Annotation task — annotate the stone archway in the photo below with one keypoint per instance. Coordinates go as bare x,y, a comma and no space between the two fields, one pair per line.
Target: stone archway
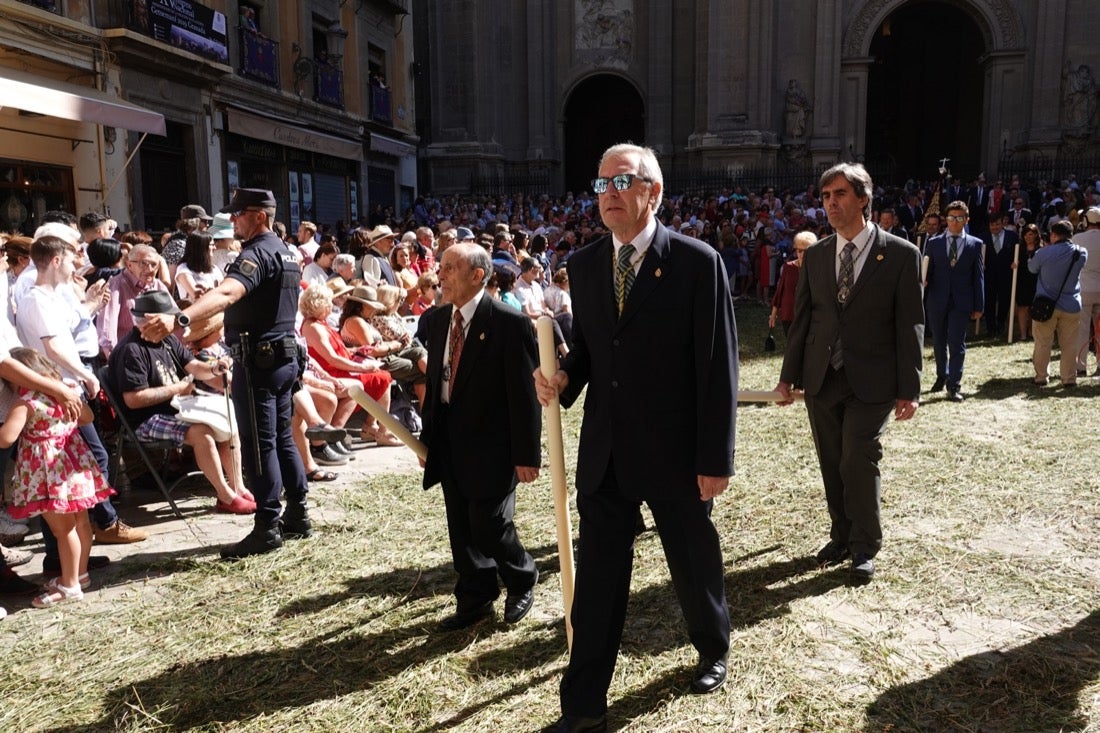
1000,23
886,126
924,100
600,111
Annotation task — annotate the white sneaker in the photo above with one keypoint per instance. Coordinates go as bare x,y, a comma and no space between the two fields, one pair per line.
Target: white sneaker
3,612
11,532
13,557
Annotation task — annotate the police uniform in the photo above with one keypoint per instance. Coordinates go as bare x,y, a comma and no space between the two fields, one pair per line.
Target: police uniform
259,330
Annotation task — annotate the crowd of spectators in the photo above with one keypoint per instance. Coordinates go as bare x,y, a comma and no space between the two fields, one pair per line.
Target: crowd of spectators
365,286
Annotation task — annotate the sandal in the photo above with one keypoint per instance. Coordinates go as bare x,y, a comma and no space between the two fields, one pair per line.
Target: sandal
385,438
57,593
318,474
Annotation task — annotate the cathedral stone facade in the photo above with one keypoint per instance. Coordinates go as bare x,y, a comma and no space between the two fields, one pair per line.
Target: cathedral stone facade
533,91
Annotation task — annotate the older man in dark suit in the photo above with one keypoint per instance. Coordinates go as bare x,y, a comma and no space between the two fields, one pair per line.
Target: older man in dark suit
656,344
481,425
1000,253
855,347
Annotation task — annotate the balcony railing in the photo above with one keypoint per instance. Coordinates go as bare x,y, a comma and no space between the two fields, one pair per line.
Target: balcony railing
328,81
381,105
259,58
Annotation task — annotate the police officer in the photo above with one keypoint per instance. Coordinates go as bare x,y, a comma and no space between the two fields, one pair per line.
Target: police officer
260,298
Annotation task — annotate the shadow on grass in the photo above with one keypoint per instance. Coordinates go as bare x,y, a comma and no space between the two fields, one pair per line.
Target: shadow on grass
223,689
999,388
420,582
1032,687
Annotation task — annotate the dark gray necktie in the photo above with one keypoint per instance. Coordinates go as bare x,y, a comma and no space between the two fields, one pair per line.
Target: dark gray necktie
843,291
953,255
847,268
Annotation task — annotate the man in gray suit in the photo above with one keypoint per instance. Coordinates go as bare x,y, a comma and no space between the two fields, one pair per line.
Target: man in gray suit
855,347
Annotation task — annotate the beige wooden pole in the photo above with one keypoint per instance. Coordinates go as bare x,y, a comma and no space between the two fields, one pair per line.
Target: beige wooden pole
548,362
380,414
760,395
1012,294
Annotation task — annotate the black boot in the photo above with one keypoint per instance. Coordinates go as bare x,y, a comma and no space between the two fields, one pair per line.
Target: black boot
263,538
295,522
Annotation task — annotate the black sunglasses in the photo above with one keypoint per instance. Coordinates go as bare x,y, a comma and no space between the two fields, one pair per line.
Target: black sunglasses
621,182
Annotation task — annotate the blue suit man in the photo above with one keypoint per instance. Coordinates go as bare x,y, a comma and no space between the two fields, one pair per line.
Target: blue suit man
954,295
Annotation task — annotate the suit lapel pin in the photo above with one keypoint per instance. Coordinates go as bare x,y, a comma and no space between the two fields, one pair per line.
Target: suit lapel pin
657,272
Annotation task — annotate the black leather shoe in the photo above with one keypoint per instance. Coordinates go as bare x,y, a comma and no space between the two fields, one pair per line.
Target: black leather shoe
295,524
709,676
517,606
569,724
954,395
939,384
863,567
464,619
326,433
262,539
832,553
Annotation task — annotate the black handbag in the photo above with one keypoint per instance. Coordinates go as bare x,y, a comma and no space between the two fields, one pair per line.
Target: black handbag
769,342
1042,308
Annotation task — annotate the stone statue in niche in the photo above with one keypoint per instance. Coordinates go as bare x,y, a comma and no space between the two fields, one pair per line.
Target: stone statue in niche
1078,96
796,111
605,25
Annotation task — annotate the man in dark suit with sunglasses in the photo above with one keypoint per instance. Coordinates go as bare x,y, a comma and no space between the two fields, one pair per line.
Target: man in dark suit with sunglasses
656,344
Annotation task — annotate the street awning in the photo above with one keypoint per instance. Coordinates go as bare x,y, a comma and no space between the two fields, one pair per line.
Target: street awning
47,96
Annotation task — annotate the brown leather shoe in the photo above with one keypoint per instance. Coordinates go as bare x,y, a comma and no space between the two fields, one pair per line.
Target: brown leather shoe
119,533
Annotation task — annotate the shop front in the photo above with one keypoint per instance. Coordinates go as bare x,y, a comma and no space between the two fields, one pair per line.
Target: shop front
62,147
315,177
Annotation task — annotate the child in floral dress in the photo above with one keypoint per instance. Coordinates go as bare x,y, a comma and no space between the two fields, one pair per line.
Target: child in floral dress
56,476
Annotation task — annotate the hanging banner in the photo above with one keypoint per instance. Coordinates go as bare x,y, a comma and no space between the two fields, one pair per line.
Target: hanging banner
184,24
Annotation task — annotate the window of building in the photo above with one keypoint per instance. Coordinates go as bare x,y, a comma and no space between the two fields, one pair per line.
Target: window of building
376,66
250,17
29,190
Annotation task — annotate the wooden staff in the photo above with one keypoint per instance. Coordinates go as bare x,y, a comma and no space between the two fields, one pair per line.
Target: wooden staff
924,271
380,414
1012,291
978,320
548,362
760,395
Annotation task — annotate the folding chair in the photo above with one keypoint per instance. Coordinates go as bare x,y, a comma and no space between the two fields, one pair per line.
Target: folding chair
125,437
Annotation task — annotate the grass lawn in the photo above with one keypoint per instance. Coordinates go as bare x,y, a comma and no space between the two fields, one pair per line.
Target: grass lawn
984,616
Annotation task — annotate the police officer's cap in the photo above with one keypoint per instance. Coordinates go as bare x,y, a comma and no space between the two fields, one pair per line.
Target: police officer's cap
249,198
157,301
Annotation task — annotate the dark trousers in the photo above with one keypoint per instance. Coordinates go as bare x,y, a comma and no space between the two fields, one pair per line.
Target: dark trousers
847,434
280,464
949,343
997,304
602,588
484,541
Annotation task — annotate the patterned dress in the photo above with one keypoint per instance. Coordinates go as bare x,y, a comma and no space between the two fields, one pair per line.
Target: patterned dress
55,471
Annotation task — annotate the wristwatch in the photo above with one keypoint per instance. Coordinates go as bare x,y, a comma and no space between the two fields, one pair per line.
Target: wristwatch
183,320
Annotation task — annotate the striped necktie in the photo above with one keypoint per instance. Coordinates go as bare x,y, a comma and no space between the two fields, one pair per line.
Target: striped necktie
458,338
624,274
